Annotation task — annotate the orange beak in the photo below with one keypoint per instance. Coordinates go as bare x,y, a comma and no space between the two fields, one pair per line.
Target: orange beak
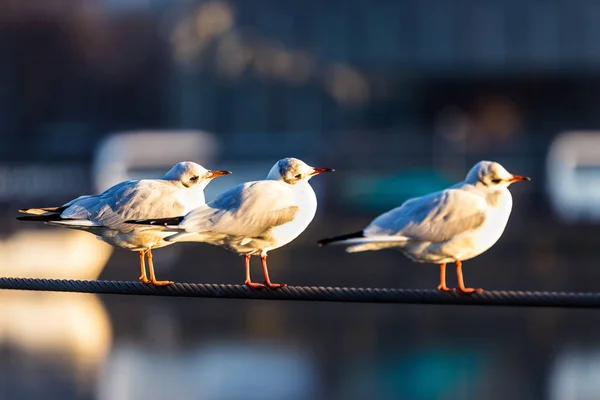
214,173
517,178
317,171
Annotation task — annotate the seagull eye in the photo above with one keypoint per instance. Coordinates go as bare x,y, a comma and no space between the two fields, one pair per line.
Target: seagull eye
194,179
298,176
496,181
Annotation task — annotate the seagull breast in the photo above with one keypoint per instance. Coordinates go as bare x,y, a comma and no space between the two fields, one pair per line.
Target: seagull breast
305,198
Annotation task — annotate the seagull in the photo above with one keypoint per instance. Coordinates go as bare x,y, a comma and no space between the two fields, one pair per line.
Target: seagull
180,190
254,217
453,225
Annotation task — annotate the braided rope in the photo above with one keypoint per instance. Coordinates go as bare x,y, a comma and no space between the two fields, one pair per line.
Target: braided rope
311,293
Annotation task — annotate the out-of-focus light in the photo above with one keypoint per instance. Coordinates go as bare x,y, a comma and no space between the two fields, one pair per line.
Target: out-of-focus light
184,41
272,60
210,38
301,67
232,56
193,33
72,328
453,124
573,176
574,375
225,370
53,253
213,18
347,85
496,117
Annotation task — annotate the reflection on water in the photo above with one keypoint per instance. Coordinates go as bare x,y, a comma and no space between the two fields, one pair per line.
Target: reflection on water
216,370
67,347
51,252
75,347
71,331
72,328
426,373
574,374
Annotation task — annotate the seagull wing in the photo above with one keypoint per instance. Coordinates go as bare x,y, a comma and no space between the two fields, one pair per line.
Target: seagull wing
433,218
139,199
249,210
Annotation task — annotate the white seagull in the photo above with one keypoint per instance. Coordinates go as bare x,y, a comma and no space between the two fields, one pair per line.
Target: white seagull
254,217
453,225
178,191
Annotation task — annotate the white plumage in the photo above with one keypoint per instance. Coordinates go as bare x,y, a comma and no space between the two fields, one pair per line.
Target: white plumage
255,217
453,225
180,190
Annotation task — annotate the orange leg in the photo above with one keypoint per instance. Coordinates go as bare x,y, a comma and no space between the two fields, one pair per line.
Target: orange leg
266,273
461,284
143,277
151,271
442,286
248,281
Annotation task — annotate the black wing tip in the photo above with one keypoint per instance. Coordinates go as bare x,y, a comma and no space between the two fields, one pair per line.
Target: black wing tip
41,218
159,221
141,221
326,241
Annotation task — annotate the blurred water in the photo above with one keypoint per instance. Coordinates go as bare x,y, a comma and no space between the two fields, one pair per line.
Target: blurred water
229,349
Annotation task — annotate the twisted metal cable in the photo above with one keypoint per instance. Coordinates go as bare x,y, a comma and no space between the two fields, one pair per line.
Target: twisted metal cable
311,293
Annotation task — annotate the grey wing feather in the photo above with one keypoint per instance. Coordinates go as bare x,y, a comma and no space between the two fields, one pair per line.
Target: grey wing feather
433,218
128,200
250,210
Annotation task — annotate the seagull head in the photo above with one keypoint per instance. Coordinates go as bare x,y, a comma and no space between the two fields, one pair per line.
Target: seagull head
292,170
192,175
492,175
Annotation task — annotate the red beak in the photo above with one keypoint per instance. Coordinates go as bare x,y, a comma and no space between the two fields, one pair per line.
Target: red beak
321,170
214,173
517,178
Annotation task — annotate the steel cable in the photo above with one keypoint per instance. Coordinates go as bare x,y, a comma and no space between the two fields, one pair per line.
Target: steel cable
311,293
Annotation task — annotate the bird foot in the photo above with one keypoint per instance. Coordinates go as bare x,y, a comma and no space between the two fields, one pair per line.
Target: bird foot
144,280
160,283
275,285
470,290
445,288
254,285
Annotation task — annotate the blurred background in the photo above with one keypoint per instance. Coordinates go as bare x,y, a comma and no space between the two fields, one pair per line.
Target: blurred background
401,97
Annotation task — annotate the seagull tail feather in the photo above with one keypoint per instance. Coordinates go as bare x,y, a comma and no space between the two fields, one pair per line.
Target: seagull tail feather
340,239
42,210
359,242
